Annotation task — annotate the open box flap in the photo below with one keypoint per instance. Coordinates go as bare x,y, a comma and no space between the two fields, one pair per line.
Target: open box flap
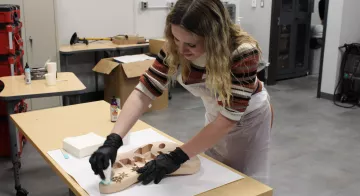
105,66
136,69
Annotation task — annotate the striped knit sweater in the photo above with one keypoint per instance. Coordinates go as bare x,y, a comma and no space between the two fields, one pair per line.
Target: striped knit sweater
245,60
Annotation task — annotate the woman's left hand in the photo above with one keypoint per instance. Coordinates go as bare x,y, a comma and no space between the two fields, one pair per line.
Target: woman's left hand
163,164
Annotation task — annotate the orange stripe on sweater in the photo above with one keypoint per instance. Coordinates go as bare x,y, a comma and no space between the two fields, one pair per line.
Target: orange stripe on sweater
149,87
160,67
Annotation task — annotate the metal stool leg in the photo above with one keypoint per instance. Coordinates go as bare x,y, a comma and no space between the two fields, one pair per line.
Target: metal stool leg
14,150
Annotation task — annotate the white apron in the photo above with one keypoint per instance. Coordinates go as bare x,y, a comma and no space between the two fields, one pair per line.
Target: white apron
246,147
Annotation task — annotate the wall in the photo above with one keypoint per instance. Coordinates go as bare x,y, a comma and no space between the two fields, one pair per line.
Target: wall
150,23
114,17
89,19
315,18
257,21
350,27
332,42
122,17
237,3
341,28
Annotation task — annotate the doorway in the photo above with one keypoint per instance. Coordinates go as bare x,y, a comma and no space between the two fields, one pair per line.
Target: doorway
290,39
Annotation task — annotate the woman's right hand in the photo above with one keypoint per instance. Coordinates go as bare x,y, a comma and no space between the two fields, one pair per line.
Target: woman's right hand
136,104
99,160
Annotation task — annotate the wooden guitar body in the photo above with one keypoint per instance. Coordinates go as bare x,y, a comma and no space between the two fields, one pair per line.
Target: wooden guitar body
124,169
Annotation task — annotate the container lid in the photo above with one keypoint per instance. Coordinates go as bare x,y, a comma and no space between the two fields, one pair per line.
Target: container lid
12,5
6,8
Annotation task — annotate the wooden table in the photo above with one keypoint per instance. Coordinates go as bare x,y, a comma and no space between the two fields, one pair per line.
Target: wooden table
15,90
94,116
97,46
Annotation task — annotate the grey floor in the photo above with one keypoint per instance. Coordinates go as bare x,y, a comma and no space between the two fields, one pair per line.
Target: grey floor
315,145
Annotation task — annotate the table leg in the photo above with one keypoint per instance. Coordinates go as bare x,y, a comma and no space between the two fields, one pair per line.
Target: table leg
14,150
67,100
64,69
96,73
96,81
71,193
66,65
78,99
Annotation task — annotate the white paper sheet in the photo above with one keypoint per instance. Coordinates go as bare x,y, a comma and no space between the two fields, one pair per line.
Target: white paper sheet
133,58
210,176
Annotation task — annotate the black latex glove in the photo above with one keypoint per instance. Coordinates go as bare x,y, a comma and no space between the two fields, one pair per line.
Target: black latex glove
163,164
99,160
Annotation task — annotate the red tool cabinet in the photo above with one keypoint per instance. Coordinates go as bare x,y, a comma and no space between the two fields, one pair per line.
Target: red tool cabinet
11,53
9,13
11,64
10,38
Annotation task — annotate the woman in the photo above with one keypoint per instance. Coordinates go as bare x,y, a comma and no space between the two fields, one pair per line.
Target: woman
216,61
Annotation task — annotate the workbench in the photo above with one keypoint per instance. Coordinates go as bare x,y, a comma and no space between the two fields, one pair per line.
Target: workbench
98,46
94,117
73,58
15,89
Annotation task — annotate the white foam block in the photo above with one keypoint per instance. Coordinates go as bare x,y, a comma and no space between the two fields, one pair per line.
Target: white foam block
83,145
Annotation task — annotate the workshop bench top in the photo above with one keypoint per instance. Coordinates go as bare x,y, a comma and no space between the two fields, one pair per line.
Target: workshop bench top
97,46
15,87
46,129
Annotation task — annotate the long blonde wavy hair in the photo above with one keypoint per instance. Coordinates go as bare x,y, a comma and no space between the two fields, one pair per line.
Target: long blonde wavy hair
208,19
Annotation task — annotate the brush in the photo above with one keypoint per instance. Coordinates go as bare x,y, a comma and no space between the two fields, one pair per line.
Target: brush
66,156
107,173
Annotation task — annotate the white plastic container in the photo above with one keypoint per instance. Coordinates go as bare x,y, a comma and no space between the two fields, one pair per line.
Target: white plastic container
50,79
51,67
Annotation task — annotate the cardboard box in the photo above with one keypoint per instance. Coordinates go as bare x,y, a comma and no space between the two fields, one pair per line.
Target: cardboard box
155,45
124,77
